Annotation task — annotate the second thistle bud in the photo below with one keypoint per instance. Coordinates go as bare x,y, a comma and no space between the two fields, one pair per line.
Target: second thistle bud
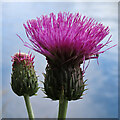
23,77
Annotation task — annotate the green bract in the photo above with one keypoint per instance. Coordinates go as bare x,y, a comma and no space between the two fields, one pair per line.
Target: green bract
68,80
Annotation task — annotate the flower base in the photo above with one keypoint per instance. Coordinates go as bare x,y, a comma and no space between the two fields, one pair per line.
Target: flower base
67,79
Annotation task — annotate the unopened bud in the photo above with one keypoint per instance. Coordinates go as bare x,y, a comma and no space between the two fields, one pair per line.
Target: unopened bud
23,77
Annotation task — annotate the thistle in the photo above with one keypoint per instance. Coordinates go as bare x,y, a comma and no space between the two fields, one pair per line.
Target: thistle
67,41
24,81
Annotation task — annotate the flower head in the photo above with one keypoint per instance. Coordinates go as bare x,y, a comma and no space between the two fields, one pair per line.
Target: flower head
66,38
23,77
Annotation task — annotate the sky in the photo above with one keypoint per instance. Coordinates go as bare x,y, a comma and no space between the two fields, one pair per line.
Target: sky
101,99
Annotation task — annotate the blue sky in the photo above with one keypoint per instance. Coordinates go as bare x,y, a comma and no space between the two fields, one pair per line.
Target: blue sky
101,100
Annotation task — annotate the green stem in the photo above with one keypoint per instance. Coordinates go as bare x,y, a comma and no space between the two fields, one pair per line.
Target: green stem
63,103
29,107
62,109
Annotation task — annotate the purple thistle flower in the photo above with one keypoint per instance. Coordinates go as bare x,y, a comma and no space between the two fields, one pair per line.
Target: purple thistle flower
66,38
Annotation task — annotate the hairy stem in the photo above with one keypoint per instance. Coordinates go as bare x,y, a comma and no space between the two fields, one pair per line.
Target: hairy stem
29,107
63,103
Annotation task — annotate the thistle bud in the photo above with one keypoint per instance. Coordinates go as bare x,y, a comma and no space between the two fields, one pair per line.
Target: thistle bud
23,77
65,79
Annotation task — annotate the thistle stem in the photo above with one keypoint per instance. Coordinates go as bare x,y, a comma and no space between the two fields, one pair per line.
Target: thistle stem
62,109
63,103
29,107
